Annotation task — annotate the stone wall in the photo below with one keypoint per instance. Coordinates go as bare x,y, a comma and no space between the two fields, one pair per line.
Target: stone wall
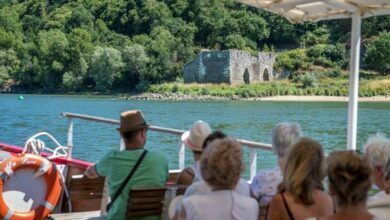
231,66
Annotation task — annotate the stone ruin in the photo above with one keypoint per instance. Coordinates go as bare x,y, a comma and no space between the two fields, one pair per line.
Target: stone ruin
229,66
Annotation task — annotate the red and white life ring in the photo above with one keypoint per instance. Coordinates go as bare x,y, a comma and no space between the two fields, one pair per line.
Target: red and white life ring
42,167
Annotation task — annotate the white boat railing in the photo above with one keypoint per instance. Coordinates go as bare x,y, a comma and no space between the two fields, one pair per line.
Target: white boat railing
252,145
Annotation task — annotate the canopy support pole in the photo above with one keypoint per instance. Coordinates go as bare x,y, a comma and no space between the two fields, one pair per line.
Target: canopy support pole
354,80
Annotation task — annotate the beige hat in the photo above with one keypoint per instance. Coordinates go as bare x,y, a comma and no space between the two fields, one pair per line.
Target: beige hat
195,137
131,121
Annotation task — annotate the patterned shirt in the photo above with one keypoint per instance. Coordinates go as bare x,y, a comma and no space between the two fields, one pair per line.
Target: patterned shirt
265,185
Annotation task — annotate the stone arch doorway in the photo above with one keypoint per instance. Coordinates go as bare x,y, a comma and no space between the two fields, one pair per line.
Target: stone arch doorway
246,76
266,75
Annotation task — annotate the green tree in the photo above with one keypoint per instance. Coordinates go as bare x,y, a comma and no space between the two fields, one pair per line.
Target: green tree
105,67
135,61
377,54
53,55
9,64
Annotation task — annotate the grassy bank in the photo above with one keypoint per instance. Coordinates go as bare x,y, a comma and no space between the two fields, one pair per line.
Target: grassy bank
309,84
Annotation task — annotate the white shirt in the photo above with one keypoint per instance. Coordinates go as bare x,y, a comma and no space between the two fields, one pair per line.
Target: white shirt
221,204
379,205
196,169
201,188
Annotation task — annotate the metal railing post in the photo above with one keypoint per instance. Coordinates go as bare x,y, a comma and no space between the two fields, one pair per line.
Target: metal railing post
182,155
70,138
253,163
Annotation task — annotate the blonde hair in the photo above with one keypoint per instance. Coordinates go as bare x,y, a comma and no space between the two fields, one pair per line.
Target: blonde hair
349,177
221,163
303,170
377,150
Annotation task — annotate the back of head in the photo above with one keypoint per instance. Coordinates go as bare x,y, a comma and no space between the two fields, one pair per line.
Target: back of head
284,135
303,170
349,178
221,163
377,150
213,136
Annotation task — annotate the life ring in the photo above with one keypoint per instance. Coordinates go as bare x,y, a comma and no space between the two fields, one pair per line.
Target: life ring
42,167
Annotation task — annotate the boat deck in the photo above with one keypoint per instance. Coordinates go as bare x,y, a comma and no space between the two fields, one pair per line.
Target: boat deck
94,215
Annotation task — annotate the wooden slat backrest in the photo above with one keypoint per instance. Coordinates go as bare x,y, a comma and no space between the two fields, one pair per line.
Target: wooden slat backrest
146,201
85,193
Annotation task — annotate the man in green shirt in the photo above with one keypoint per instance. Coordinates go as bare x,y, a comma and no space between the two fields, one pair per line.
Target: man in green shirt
116,165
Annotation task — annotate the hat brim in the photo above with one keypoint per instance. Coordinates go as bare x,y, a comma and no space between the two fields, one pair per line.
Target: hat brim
185,138
133,128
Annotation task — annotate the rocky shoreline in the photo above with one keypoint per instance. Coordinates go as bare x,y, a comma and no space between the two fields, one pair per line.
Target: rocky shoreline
186,97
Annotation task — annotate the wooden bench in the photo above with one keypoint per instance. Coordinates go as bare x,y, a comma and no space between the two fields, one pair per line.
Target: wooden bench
146,201
85,194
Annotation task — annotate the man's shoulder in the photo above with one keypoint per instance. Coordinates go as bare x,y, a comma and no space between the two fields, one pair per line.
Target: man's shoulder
156,155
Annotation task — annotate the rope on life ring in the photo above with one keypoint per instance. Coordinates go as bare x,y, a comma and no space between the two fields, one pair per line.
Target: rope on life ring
43,168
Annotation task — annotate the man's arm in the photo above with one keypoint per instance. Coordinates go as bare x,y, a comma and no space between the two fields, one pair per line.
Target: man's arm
91,173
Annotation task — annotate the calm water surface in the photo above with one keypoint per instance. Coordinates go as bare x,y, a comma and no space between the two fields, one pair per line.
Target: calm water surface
324,121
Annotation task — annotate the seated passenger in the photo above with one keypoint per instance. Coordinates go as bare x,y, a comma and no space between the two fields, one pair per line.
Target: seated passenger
349,182
193,139
377,152
116,165
300,194
201,187
264,184
380,205
221,166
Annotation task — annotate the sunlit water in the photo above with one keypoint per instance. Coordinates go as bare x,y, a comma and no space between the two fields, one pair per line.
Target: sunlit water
324,121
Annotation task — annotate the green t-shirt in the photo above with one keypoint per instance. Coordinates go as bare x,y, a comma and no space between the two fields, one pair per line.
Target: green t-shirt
116,165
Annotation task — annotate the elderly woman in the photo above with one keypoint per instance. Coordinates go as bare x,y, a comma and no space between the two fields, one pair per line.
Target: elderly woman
349,182
264,184
377,151
380,204
300,194
221,166
194,139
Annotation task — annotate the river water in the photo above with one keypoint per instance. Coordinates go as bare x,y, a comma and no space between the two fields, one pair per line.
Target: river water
324,121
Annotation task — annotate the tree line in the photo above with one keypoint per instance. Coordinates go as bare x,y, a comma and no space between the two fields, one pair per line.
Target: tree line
106,45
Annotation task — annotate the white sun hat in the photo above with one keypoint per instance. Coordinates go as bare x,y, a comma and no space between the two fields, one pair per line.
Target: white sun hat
195,137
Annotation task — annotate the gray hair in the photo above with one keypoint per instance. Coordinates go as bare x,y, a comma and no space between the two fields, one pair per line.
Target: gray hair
285,135
377,150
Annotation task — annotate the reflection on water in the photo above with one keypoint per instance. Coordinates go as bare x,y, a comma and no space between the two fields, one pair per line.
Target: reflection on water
324,121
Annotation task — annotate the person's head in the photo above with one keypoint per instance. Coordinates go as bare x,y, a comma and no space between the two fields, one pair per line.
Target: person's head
349,178
195,137
213,136
221,163
133,128
303,170
377,150
284,135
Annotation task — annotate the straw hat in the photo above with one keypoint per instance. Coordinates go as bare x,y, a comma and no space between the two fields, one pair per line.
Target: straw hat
131,121
195,137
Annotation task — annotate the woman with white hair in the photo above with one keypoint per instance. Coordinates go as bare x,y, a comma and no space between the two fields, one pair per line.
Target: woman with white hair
377,152
221,167
380,206
264,184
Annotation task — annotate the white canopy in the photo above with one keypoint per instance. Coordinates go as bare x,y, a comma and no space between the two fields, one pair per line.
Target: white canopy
297,11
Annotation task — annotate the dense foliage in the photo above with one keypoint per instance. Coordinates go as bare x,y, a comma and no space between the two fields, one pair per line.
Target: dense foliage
105,45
